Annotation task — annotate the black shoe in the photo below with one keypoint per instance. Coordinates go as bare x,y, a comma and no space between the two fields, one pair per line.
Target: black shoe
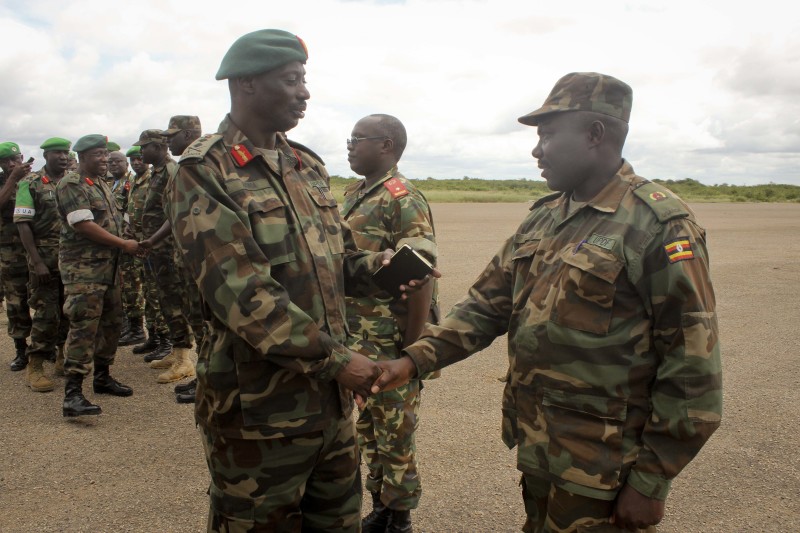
163,350
378,519
74,402
186,387
105,384
135,334
400,522
186,397
126,326
21,359
150,345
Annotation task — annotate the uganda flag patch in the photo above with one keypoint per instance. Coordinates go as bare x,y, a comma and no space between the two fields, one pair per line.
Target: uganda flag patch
679,250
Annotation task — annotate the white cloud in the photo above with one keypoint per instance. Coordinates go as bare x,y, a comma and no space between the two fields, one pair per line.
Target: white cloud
715,83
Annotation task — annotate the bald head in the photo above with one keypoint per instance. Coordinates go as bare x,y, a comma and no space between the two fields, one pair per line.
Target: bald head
391,127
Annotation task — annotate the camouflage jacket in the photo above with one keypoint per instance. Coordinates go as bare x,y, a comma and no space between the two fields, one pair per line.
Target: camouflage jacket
614,372
264,241
121,189
388,214
80,259
36,205
135,205
153,216
8,230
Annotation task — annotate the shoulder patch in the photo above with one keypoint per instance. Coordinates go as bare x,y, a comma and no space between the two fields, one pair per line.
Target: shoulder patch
679,249
297,146
395,187
545,199
661,200
199,148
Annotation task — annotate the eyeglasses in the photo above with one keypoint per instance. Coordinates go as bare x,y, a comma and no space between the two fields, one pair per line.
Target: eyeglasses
355,140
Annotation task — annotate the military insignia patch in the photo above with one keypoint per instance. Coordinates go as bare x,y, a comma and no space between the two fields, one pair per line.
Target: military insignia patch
658,196
89,181
299,165
127,185
45,180
241,154
395,188
679,250
607,243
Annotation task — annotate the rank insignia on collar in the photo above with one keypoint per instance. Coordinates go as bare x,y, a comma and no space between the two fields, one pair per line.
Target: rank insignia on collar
127,185
299,165
89,181
45,180
241,154
395,188
679,250
658,196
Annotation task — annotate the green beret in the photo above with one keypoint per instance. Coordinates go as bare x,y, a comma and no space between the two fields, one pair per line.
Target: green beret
150,136
55,143
87,142
261,51
586,91
112,146
9,149
134,151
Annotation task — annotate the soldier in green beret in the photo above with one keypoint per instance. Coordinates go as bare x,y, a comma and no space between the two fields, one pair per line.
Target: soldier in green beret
91,240
39,225
13,260
615,381
260,232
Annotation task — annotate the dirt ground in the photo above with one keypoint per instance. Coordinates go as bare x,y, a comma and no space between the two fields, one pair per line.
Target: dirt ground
139,466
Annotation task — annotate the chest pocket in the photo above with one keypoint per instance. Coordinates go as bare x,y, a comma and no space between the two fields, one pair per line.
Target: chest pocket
586,288
329,215
270,220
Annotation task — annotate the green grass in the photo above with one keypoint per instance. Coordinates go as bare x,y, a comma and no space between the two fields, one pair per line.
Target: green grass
478,190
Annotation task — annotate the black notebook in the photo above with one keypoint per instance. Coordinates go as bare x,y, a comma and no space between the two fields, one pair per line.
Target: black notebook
406,264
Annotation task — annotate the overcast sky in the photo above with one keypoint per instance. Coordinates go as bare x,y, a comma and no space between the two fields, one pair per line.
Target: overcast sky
716,84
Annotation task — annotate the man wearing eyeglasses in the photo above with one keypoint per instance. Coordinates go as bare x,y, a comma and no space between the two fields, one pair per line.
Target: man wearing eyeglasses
385,210
261,235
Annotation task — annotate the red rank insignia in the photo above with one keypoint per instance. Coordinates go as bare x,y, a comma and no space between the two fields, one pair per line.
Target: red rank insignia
679,250
127,185
296,156
45,180
241,154
395,188
658,196
89,181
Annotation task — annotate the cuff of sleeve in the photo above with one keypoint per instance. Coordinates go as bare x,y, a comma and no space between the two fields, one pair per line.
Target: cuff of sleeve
420,361
334,364
650,485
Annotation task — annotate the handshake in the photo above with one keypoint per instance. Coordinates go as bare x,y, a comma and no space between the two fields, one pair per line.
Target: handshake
364,376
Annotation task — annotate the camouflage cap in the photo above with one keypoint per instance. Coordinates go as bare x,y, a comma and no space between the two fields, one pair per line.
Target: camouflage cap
9,149
261,51
55,143
150,136
87,142
134,151
182,122
586,91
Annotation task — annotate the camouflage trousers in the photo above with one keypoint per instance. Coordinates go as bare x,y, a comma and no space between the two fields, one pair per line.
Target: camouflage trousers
551,509
14,272
49,326
171,296
94,311
152,311
301,483
132,297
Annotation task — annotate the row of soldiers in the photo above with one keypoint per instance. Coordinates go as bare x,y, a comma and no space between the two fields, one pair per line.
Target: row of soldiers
48,288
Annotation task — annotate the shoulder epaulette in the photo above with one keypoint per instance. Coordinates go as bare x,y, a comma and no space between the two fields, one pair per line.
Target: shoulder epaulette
297,146
395,187
199,148
545,199
662,201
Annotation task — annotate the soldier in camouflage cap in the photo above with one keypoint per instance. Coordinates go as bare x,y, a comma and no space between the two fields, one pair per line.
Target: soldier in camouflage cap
615,381
260,232
13,259
182,131
88,258
385,210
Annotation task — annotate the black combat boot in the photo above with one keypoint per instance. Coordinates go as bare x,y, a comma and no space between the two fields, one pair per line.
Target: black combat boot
187,395
186,387
150,345
400,522
21,359
74,402
126,326
105,384
378,519
163,350
135,333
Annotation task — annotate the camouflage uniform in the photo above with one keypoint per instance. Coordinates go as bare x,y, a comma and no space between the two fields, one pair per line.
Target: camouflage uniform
121,189
261,235
143,294
36,205
14,273
89,272
388,214
614,371
171,292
